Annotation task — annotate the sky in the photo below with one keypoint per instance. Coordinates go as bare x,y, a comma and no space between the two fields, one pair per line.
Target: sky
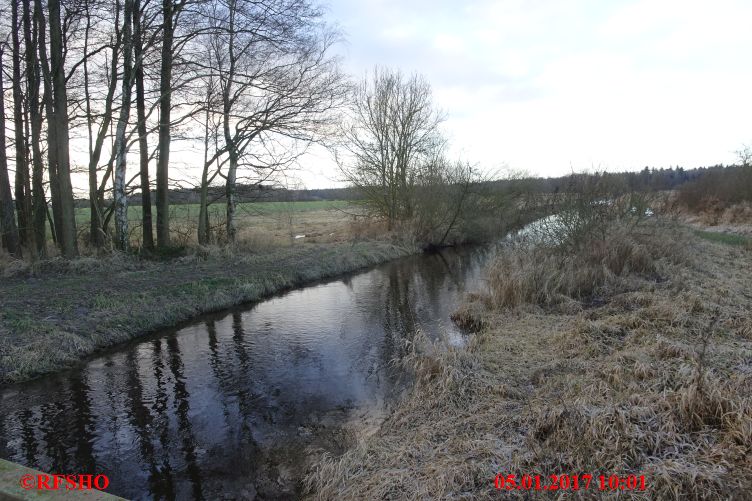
551,86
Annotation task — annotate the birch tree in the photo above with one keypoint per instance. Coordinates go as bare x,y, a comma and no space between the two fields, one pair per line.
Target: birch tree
121,146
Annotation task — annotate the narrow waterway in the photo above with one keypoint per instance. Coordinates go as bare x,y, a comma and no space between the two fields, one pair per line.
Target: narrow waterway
233,404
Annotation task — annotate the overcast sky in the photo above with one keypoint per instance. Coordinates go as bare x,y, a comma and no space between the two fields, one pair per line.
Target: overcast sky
547,86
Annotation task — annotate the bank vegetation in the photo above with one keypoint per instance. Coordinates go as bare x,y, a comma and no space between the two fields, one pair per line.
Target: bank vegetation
610,341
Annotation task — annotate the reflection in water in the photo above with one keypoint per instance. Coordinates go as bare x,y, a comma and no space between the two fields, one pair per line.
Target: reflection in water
234,403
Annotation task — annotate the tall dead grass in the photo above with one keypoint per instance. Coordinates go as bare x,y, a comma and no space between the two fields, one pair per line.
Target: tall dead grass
540,274
653,378
652,396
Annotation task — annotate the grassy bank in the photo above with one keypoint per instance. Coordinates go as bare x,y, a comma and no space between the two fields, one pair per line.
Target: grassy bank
726,238
631,358
55,313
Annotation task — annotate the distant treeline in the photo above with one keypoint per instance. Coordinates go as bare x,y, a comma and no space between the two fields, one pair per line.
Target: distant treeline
718,188
250,193
648,179
719,178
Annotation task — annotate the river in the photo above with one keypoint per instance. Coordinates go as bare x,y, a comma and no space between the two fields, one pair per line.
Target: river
234,404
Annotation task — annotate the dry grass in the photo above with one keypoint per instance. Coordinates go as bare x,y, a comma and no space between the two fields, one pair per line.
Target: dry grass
539,274
713,212
653,379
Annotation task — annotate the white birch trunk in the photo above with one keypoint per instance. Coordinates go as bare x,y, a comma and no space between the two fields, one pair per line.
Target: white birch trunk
121,200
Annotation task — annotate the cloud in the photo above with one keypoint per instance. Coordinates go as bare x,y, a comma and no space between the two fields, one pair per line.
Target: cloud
545,85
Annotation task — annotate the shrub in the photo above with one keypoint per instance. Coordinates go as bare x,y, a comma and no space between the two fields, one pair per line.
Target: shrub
598,234
717,190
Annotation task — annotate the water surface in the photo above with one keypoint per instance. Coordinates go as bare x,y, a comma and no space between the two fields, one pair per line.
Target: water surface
235,404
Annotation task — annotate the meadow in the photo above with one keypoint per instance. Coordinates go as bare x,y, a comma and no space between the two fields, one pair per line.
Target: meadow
259,223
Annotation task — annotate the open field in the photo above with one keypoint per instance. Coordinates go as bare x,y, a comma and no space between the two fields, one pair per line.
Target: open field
261,209
56,312
261,222
650,373
270,222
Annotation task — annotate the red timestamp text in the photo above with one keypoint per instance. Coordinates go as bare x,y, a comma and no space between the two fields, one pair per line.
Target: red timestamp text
568,482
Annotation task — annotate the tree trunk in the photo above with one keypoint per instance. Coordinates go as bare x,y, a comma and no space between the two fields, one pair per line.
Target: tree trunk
143,143
8,226
230,195
163,162
229,140
121,146
96,236
203,211
96,198
232,170
55,194
52,132
204,238
23,185
67,232
33,81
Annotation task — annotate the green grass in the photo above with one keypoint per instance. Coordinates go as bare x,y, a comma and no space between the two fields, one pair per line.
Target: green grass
249,209
724,238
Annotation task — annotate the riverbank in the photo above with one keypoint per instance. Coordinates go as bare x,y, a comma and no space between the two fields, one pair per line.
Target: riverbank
648,374
61,311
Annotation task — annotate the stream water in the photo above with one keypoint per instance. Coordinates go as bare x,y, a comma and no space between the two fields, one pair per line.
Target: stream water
233,404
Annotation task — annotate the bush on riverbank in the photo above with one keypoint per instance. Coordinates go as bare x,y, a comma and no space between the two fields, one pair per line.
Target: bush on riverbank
543,275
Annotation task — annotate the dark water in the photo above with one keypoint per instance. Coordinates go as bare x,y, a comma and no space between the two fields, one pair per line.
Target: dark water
232,405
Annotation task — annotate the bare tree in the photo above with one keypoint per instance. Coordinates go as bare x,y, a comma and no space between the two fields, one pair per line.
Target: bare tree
444,200
101,119
277,81
52,132
744,155
143,143
33,79
272,88
391,132
211,135
23,184
169,10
